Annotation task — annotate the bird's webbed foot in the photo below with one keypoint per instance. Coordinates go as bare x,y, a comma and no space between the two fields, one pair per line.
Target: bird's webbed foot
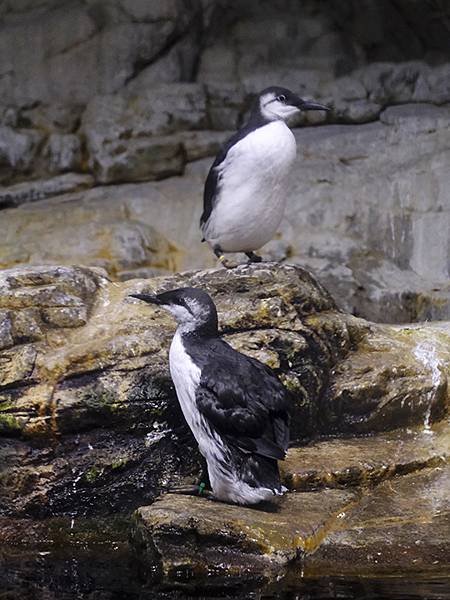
227,263
253,258
192,490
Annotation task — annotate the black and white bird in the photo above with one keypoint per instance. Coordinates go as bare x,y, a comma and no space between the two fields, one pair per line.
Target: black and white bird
246,188
235,406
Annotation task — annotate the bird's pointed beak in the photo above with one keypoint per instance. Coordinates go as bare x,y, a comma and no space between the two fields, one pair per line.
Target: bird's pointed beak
311,105
149,298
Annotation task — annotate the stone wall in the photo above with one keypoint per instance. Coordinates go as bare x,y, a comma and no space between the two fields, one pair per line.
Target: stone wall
123,93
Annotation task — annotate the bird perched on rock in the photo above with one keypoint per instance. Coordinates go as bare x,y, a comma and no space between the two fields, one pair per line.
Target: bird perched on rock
235,406
245,191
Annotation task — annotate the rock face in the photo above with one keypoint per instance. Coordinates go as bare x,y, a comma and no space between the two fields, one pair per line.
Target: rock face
86,395
123,93
90,426
368,212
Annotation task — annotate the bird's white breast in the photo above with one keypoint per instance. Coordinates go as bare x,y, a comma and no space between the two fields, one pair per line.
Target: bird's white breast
253,181
186,378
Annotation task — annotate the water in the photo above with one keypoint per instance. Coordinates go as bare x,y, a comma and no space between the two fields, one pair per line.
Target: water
101,576
91,559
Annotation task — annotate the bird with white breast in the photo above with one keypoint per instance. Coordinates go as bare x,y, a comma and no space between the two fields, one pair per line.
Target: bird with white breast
235,406
246,189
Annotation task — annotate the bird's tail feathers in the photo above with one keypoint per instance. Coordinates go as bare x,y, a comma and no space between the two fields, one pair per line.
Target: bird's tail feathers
260,471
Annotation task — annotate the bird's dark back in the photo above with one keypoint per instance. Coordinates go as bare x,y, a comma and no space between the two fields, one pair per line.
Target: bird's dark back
238,377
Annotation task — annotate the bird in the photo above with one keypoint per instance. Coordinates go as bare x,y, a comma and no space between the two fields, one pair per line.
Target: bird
235,406
245,191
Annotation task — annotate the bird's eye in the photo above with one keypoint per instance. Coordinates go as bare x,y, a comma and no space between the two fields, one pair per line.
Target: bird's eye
185,305
281,98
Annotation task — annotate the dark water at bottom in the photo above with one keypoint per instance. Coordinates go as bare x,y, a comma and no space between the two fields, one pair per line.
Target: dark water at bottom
67,582
321,589
63,559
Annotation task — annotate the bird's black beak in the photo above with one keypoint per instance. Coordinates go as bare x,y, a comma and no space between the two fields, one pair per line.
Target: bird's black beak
149,298
311,105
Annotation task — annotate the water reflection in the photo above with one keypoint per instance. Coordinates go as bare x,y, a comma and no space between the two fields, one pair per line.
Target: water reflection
92,560
100,578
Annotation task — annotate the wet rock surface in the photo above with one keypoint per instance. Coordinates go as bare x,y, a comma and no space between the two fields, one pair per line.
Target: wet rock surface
350,462
394,528
88,408
90,425
398,525
402,526
194,538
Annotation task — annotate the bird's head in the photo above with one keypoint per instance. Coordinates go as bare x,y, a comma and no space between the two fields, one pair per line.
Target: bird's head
192,308
278,103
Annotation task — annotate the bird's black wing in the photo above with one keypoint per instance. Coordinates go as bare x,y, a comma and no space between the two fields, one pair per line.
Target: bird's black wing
244,400
212,182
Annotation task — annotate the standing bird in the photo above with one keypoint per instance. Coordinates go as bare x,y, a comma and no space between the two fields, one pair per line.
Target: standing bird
235,406
245,191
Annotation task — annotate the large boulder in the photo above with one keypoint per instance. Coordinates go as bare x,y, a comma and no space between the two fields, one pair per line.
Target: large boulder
102,235
88,410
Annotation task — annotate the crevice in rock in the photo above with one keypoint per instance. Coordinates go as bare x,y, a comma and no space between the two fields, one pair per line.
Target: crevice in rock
172,40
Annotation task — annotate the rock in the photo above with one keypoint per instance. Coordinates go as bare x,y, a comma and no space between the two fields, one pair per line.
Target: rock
8,116
104,42
218,64
178,64
6,338
84,377
354,111
46,287
226,104
141,159
403,526
399,527
17,150
410,370
63,152
163,109
53,118
343,463
198,144
120,131
379,234
31,191
417,118
91,237
389,83
100,233
184,539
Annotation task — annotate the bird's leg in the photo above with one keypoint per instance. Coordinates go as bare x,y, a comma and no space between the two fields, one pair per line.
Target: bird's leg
228,264
192,490
253,258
